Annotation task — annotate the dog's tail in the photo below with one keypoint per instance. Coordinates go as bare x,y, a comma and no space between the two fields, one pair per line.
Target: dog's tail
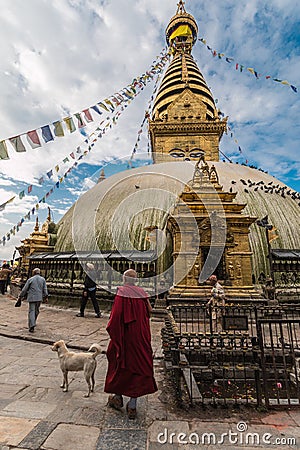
96,349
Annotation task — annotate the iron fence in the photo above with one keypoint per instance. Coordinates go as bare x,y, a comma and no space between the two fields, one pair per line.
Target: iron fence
234,354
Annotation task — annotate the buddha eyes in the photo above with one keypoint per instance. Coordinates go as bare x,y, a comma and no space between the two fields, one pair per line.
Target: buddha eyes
194,153
177,154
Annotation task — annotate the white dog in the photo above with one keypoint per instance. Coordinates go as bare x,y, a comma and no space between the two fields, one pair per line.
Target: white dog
71,361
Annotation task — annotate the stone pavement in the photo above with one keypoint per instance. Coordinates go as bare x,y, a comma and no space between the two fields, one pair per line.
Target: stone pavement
36,414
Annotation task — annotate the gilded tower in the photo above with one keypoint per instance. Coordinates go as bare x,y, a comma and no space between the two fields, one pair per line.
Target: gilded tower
185,121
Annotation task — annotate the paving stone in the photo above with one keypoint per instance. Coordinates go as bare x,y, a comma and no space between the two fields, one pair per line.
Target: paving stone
5,402
295,415
122,439
30,410
65,411
10,390
71,437
14,429
156,446
42,394
119,419
281,418
38,435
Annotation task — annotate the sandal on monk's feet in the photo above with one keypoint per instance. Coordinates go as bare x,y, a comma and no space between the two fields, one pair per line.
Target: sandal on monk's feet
131,412
115,402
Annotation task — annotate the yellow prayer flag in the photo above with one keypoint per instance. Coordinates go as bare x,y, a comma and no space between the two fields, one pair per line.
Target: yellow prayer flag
182,30
70,124
3,150
250,70
285,82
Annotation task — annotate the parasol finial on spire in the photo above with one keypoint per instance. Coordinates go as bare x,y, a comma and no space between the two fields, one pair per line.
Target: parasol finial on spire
181,8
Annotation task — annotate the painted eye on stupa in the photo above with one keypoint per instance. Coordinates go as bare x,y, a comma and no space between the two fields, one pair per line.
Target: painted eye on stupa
177,153
196,153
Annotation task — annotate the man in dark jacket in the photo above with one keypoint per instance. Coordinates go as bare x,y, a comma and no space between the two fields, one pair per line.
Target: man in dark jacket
89,291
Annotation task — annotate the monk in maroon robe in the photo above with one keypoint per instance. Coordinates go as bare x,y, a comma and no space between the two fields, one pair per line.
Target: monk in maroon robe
129,353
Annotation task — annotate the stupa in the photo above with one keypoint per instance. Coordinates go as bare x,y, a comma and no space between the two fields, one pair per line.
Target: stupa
188,194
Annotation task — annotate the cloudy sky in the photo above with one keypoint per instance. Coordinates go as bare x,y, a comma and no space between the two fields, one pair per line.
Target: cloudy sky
59,57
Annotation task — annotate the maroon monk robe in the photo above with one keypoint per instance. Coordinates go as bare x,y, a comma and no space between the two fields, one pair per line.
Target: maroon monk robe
129,353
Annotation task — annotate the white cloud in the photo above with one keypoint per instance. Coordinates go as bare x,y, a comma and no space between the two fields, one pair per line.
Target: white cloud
59,57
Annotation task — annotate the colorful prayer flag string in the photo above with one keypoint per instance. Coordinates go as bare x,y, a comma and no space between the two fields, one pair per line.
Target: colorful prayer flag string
79,151
137,85
50,132
241,67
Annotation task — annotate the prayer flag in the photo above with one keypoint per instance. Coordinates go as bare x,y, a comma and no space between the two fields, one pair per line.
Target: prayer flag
103,106
57,168
81,123
236,66
87,115
21,195
46,133
285,82
41,180
17,144
72,155
3,150
66,160
70,124
58,129
33,139
95,108
181,30
250,70
29,189
294,88
50,173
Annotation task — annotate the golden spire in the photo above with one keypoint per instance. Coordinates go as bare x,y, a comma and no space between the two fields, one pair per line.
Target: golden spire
37,227
181,33
181,8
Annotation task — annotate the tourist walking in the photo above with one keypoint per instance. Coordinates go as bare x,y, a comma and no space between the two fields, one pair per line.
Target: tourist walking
89,291
4,278
35,290
129,353
217,301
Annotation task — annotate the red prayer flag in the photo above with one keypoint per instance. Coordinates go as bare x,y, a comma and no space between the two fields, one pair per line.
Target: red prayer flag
33,139
87,115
